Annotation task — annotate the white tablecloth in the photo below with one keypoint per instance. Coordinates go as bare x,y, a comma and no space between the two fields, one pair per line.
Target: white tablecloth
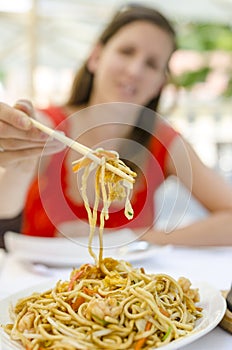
211,265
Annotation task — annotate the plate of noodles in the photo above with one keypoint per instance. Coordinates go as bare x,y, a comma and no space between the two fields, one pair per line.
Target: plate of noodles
155,311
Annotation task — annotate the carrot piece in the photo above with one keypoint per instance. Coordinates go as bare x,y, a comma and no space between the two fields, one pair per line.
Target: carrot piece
75,167
80,164
141,341
199,308
74,278
77,303
88,291
164,312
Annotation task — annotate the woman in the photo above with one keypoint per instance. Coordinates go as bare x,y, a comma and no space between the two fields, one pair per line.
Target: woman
129,66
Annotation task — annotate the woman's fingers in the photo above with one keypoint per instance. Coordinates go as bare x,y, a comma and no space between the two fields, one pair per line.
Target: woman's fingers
14,117
15,122
9,131
19,139
26,107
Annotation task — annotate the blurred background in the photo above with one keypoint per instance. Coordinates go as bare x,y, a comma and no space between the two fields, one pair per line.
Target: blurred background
43,42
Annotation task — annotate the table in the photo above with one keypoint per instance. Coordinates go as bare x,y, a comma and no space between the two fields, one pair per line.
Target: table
211,265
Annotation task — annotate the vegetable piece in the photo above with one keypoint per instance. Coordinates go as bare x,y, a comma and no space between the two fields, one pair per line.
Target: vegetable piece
164,312
167,333
99,320
141,341
77,303
83,162
88,291
74,278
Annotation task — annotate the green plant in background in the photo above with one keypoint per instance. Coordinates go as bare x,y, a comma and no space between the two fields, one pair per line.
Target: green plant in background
189,78
2,76
205,38
228,91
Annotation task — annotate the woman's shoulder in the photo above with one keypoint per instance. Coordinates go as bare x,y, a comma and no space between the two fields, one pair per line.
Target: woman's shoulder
164,133
163,136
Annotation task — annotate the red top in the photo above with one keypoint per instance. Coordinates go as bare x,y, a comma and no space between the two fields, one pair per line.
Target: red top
48,205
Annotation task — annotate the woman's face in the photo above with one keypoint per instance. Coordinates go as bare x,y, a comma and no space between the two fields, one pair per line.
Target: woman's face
131,67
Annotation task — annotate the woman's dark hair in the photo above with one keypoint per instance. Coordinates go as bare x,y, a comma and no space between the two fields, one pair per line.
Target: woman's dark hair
83,81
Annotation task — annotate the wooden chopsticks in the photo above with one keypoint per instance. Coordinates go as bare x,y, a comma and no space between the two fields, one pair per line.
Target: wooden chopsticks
78,147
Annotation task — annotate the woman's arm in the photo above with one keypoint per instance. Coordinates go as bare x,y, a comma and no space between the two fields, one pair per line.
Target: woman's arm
210,189
21,145
14,183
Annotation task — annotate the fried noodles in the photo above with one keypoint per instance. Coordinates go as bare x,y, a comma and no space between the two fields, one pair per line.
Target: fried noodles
108,186
110,304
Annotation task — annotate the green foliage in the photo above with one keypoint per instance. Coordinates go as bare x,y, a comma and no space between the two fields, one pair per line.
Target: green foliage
2,75
205,37
228,91
188,79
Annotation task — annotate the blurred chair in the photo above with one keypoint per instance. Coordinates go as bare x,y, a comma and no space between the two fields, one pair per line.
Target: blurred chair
9,225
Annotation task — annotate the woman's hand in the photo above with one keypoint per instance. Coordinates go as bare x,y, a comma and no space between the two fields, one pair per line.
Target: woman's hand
19,139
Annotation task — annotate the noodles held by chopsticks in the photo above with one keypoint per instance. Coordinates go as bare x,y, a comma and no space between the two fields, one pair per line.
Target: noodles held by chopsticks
109,186
110,304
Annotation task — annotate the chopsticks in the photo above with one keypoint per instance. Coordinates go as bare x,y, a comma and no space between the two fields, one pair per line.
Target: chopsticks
78,147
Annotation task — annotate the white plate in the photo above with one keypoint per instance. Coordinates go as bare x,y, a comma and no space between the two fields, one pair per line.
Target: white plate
71,252
213,303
